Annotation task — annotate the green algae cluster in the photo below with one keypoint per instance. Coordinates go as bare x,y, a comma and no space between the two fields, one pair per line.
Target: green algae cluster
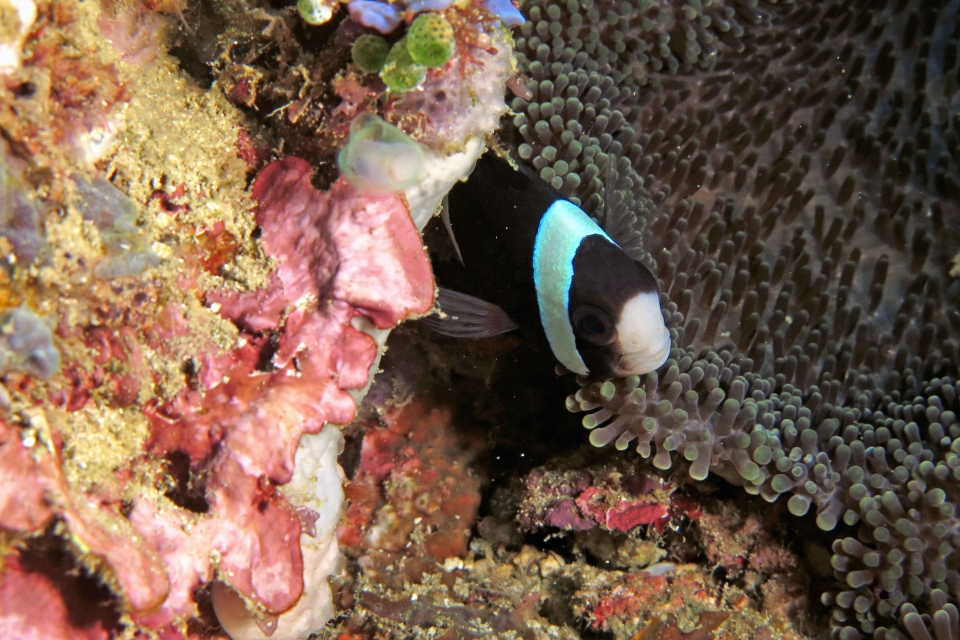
400,71
370,53
430,40
429,43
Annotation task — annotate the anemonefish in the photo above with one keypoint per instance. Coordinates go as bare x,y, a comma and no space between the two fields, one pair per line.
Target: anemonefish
539,260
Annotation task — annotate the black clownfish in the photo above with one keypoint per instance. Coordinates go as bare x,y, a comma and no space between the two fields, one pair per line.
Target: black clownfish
540,260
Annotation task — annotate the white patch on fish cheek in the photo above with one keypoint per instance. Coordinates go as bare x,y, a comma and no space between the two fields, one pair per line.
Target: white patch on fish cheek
643,338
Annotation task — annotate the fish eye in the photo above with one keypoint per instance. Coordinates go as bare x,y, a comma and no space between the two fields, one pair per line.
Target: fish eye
594,324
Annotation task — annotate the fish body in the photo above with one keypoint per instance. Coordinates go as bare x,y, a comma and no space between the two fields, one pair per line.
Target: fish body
552,269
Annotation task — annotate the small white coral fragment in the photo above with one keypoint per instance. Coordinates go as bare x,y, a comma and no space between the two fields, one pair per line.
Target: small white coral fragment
16,19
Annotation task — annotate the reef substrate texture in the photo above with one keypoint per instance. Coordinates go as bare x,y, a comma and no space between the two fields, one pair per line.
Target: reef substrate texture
176,313
791,170
422,563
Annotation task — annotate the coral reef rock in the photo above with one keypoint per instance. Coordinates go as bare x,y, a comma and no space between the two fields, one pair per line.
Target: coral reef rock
189,310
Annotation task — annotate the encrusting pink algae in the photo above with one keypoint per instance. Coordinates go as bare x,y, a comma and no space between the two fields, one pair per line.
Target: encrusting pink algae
155,486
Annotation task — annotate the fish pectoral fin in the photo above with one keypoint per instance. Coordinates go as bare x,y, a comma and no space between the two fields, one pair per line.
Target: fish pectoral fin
445,216
464,316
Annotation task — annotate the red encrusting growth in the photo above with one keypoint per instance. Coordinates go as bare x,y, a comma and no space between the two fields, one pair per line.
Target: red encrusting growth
338,255
30,603
597,497
413,498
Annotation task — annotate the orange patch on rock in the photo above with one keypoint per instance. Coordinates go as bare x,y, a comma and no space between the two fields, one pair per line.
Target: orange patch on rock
413,494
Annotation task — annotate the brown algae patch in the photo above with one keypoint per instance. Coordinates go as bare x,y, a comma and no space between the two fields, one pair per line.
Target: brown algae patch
181,142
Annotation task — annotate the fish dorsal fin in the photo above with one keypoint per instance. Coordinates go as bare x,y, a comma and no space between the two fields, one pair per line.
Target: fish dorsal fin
468,317
445,216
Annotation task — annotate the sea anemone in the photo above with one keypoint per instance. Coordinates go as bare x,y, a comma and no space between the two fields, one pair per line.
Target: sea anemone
804,160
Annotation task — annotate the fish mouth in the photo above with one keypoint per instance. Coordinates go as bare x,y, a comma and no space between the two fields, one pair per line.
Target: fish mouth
639,362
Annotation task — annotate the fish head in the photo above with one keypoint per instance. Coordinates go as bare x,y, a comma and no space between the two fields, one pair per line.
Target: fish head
615,313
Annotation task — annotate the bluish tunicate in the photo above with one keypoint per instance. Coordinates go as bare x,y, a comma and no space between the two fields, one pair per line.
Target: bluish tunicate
26,344
507,12
376,15
418,6
115,215
106,206
126,264
20,217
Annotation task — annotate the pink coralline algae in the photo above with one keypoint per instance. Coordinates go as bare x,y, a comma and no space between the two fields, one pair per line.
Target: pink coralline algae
365,255
579,501
338,255
31,601
358,255
633,595
645,607
33,490
740,543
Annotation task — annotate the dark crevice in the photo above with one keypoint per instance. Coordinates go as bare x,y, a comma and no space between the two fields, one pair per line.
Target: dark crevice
191,64
87,599
189,488
268,348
